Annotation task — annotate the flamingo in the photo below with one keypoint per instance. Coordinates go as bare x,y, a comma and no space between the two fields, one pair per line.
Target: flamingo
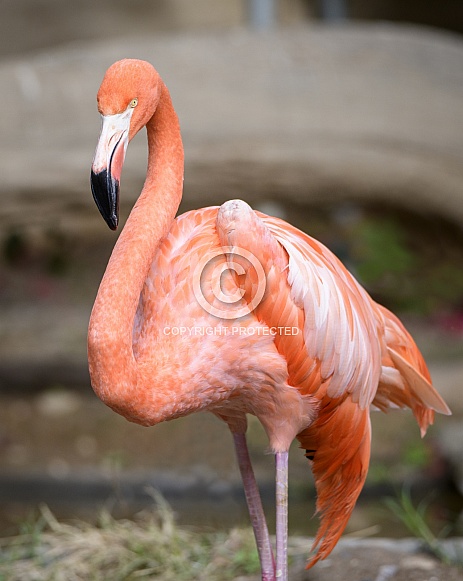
230,311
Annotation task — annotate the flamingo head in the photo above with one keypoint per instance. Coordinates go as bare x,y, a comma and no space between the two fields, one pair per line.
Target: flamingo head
127,99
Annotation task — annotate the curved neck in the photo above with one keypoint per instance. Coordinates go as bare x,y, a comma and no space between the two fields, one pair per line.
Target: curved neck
112,364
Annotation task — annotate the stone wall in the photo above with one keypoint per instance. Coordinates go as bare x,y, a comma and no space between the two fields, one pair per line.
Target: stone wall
371,112
28,25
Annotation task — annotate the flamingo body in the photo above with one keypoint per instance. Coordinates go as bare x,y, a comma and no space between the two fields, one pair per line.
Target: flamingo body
156,353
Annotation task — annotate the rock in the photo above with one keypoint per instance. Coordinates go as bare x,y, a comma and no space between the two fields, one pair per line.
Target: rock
361,111
418,562
375,559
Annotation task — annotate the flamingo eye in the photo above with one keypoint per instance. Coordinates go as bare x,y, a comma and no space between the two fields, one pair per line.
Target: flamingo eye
133,103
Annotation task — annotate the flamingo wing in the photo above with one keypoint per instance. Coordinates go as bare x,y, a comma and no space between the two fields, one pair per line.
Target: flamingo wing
340,330
351,352
335,359
341,337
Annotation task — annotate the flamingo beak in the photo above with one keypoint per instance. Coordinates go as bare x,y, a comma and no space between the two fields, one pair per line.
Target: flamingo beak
107,165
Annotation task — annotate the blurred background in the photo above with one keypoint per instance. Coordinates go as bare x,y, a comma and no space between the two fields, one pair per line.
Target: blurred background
343,117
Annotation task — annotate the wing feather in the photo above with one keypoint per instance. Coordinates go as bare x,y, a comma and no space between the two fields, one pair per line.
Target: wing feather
340,328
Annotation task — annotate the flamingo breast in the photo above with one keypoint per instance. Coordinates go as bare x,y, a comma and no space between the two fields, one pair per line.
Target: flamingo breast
230,367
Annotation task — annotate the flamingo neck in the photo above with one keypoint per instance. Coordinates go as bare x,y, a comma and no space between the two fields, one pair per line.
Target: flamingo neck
113,368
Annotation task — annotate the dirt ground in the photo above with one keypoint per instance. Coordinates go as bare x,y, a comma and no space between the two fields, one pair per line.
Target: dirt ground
378,560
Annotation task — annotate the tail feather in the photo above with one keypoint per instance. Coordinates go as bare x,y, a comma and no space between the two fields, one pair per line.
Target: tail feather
340,443
419,385
405,381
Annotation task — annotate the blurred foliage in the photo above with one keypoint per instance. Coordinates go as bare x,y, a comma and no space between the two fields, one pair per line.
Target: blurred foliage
409,262
14,248
37,265
49,252
382,253
417,454
416,519
56,253
408,265
379,473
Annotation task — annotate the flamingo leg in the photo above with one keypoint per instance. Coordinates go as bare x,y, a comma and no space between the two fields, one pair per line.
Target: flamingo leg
281,480
256,511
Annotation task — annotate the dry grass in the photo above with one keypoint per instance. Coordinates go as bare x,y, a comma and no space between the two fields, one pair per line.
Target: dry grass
152,547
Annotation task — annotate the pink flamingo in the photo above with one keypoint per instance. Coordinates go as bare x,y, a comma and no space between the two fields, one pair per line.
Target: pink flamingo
285,332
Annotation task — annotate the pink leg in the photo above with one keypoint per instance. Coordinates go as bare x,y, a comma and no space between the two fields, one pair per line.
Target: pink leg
256,511
282,515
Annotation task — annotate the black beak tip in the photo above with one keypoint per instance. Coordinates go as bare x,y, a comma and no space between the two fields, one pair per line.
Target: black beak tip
112,222
105,190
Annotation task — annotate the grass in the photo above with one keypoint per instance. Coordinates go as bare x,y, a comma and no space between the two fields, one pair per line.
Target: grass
415,519
154,547
151,547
